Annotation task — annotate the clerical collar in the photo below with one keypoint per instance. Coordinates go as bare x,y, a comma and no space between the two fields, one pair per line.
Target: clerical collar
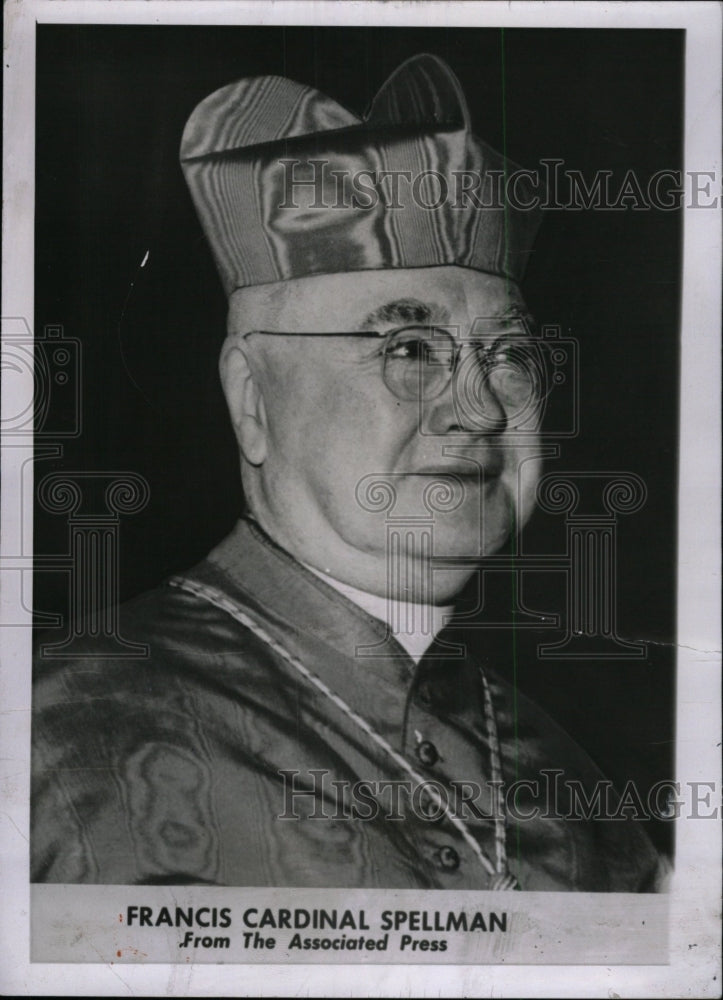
414,626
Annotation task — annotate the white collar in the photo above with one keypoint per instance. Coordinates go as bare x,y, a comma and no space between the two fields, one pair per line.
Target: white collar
414,626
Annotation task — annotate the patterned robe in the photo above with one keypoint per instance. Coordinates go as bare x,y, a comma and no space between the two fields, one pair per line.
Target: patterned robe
276,734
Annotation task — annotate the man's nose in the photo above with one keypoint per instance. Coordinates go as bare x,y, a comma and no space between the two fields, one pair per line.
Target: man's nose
468,403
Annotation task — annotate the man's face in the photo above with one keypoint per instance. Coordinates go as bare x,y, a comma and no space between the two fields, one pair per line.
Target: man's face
347,461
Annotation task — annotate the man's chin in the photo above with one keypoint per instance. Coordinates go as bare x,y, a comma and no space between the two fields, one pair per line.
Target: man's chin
441,587
467,535
434,570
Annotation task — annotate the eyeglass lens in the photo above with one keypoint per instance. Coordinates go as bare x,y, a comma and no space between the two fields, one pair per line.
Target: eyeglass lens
419,363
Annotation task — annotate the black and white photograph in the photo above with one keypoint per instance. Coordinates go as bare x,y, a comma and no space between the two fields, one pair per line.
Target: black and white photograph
356,546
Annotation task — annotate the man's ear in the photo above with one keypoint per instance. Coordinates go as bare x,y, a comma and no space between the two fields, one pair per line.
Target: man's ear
244,399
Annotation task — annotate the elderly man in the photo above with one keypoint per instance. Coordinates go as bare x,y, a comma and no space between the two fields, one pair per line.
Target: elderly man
298,720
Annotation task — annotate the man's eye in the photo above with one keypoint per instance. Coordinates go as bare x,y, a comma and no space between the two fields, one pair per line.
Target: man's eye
514,371
409,349
509,354
420,350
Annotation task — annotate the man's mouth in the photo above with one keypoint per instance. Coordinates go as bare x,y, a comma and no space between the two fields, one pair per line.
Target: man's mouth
484,471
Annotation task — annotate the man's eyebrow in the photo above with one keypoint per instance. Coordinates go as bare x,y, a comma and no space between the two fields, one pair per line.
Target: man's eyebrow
407,311
403,311
511,312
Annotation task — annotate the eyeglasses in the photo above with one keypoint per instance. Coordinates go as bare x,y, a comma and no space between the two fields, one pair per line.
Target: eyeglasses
419,362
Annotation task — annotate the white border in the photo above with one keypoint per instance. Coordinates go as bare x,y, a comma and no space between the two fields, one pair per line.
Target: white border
695,901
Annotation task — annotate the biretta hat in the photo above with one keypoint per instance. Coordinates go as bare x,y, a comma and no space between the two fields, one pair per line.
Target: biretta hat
287,183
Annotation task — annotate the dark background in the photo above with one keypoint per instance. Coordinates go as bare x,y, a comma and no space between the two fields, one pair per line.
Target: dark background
111,106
